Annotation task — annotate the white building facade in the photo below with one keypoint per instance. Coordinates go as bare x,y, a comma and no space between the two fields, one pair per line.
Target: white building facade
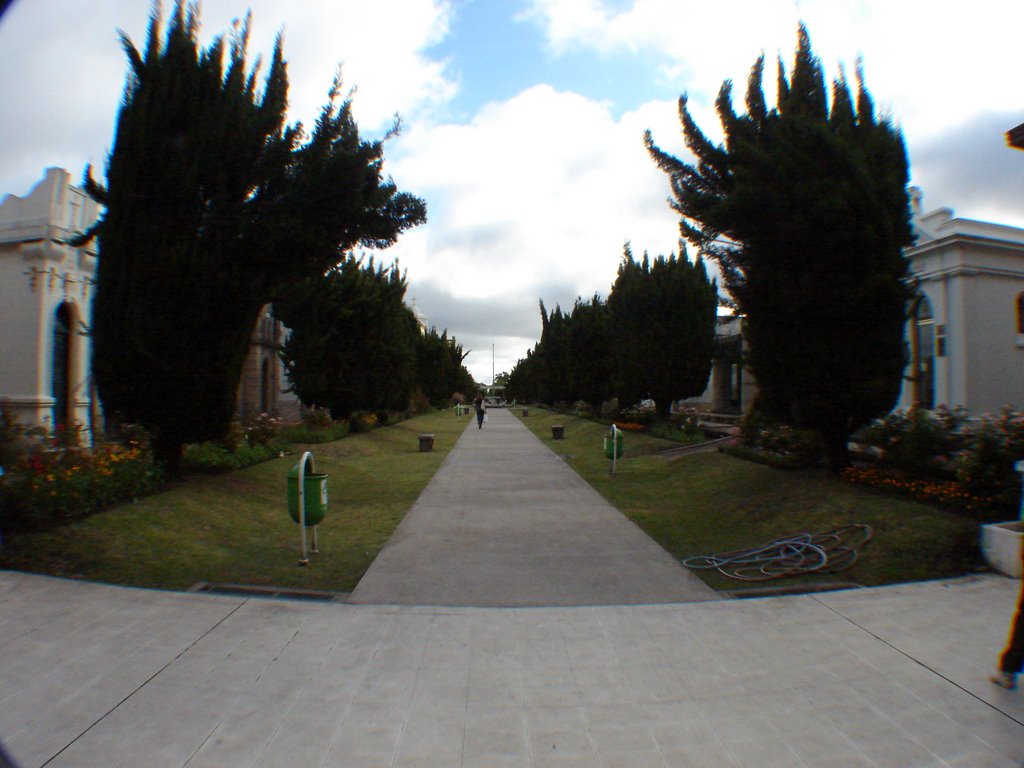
46,292
46,289
966,331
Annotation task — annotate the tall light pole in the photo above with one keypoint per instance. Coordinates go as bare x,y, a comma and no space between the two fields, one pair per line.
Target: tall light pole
492,364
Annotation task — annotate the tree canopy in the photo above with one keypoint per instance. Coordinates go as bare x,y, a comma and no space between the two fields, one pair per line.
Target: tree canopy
352,340
213,204
654,336
354,345
440,369
663,314
804,208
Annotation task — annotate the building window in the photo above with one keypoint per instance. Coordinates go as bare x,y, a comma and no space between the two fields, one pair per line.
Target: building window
60,368
923,352
1020,313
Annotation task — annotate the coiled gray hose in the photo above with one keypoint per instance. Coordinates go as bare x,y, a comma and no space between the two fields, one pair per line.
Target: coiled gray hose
826,552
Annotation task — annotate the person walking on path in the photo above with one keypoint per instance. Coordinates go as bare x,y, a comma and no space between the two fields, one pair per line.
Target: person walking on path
1011,661
481,410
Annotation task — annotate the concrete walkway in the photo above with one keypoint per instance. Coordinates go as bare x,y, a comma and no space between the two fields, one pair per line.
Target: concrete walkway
95,676
505,522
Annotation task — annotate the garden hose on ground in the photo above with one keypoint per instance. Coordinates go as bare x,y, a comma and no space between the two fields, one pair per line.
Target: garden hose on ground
825,552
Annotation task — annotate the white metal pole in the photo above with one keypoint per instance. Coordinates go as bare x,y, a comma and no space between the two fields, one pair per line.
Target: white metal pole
302,504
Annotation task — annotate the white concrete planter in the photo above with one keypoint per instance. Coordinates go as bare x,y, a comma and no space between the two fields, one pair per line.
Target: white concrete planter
1001,543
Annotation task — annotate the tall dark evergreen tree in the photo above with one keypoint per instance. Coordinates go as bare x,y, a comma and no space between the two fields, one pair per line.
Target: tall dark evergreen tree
212,204
591,359
352,341
553,356
804,208
524,378
440,372
663,314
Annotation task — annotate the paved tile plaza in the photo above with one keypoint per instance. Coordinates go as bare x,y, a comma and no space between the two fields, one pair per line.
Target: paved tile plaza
97,675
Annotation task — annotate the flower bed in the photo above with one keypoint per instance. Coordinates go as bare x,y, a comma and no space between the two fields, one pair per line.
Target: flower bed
629,426
946,492
48,487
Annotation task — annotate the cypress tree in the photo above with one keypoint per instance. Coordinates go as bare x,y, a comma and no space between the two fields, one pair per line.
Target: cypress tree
804,208
663,314
352,344
592,369
212,205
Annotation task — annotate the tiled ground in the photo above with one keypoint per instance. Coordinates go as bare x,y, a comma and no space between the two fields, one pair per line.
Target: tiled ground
93,675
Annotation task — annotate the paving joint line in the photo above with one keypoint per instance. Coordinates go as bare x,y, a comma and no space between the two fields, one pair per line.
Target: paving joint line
143,684
918,661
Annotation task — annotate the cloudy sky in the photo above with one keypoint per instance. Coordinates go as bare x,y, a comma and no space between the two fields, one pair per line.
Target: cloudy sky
523,119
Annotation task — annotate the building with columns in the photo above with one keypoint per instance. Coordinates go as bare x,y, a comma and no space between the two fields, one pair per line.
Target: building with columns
966,331
46,289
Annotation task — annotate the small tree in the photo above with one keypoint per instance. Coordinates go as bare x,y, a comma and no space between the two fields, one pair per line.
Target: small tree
663,314
352,344
805,210
212,205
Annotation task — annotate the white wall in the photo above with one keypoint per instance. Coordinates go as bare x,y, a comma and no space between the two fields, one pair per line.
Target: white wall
38,272
972,273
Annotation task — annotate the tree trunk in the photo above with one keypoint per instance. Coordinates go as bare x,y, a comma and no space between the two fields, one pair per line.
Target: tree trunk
837,449
167,450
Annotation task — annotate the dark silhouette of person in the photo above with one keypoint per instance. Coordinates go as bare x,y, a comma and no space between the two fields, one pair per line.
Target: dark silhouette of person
1011,661
481,409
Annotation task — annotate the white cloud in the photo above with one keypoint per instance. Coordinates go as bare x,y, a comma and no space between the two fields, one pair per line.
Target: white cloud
60,106
543,188
533,199
929,65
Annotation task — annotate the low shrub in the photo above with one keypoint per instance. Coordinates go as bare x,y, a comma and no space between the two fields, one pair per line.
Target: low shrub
687,419
301,433
797,447
418,403
671,431
15,442
776,460
213,457
918,441
986,464
361,422
50,487
261,430
641,414
316,418
583,409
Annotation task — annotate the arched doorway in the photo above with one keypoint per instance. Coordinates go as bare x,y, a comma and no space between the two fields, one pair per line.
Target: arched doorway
922,345
266,396
61,368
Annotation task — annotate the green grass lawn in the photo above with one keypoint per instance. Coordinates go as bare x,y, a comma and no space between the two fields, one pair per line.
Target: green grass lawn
710,502
235,528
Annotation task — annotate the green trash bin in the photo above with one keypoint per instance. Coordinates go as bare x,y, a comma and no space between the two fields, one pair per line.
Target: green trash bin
314,492
618,445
